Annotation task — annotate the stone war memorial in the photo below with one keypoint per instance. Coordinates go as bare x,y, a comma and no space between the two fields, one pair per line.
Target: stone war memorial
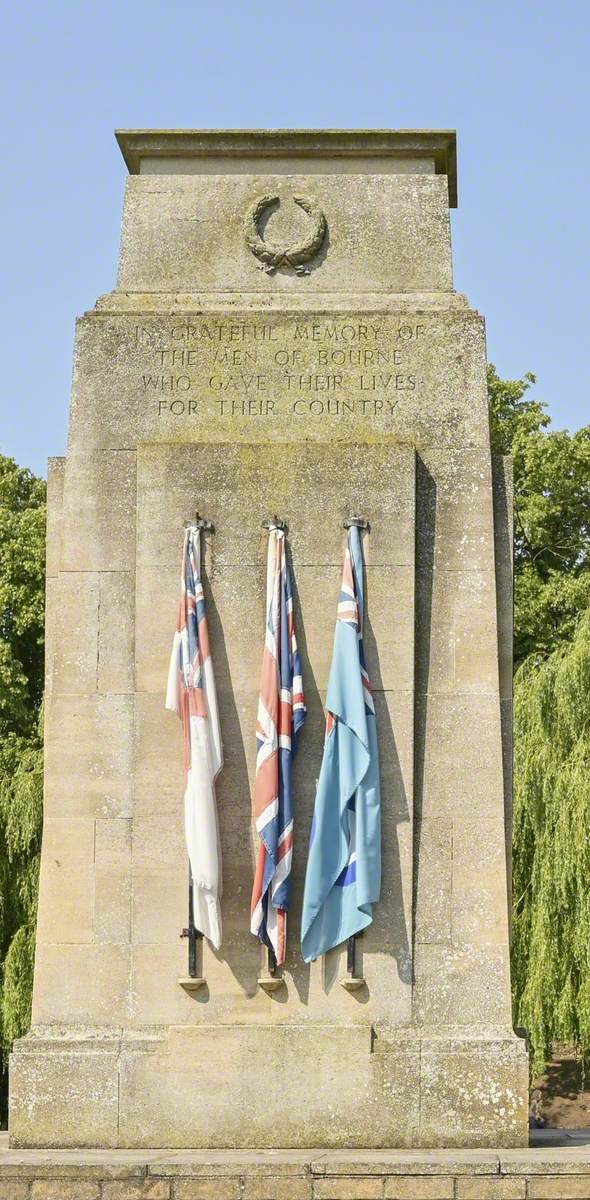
284,338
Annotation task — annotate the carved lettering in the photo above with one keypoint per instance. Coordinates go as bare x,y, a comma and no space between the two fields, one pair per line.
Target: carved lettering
280,368
167,383
237,383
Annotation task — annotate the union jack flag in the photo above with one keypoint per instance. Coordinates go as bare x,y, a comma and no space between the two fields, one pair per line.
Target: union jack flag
191,695
281,713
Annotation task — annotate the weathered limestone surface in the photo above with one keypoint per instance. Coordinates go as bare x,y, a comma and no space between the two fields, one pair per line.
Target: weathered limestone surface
558,1174
206,383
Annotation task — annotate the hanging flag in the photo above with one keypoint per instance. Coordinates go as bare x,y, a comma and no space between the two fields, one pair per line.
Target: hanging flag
281,713
343,876
191,695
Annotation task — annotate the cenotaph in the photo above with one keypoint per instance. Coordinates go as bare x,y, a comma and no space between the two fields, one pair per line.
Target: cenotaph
284,338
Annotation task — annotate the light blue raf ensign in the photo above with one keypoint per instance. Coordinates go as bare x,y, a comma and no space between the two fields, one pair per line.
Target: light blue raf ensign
343,877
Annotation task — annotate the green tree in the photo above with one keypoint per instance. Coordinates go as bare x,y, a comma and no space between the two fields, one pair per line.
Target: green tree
551,846
551,863
551,515
22,567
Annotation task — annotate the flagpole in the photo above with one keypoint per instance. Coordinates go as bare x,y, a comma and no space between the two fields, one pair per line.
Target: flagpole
194,936
351,981
351,955
270,980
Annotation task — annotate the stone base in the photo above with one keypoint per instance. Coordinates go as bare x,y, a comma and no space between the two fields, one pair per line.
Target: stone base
327,1086
548,1174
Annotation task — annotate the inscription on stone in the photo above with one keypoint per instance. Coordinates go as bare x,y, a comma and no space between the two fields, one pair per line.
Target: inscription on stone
321,368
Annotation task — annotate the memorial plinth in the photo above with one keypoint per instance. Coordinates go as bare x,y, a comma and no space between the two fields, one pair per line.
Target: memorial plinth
284,338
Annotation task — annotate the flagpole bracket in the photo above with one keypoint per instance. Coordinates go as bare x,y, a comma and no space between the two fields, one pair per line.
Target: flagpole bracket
352,983
356,522
271,983
275,523
201,523
191,984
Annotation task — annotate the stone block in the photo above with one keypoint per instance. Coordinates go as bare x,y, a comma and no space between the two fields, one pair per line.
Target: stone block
360,1187
63,1094
404,247
276,1187
158,759
162,1091
55,486
491,1189
558,1187
81,984
112,880
456,630
388,640
156,613
402,1163
51,615
126,397
158,840
461,496
12,1189
144,1189
478,1087
461,985
112,843
159,903
547,1162
419,1187
434,860
88,756
167,1003
212,1166
56,468
58,1163
207,1189
503,490
479,906
66,882
116,634
173,479
475,636
453,768
62,1189
75,662
98,509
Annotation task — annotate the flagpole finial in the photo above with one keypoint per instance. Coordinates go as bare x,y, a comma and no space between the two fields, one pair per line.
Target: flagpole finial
275,523
356,521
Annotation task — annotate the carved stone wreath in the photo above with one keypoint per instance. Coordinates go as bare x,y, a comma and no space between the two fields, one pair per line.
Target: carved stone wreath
271,254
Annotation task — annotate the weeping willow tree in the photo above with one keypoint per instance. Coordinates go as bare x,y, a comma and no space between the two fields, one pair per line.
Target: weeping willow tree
22,559
551,882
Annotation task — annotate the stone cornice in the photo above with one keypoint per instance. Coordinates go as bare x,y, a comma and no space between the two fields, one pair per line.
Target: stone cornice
404,144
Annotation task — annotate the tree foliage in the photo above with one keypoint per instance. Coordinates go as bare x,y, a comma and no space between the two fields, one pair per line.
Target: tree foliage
22,566
551,832
551,515
551,838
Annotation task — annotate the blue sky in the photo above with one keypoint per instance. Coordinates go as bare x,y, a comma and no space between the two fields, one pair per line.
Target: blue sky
512,78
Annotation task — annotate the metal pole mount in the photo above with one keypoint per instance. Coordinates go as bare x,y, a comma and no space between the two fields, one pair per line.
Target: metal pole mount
275,523
200,523
355,520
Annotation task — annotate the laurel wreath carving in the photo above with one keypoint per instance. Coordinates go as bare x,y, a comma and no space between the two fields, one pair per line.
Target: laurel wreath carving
271,254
